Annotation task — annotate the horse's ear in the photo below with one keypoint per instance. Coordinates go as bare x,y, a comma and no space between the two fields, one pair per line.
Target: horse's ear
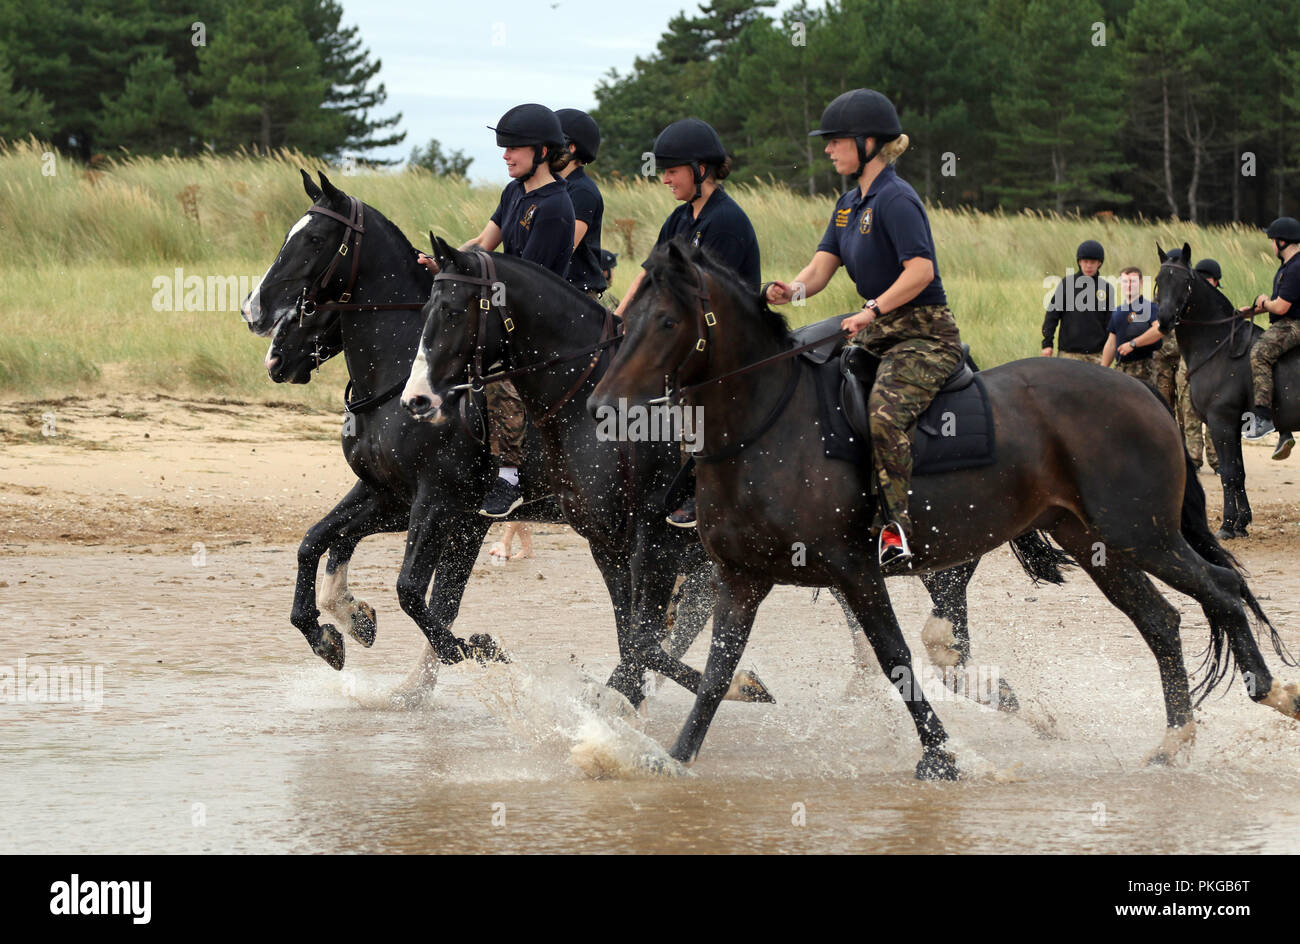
310,186
332,193
1187,255
1161,253
445,254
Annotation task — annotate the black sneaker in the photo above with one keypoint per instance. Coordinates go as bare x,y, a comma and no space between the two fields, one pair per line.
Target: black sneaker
503,499
684,517
1260,424
1285,443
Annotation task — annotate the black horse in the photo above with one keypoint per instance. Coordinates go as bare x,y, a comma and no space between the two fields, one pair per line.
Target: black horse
1215,341
612,491
1122,513
346,280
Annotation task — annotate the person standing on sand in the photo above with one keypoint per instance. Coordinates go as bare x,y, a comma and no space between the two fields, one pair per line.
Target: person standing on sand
1081,305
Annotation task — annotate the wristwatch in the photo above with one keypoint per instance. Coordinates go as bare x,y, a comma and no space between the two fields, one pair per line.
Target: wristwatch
871,303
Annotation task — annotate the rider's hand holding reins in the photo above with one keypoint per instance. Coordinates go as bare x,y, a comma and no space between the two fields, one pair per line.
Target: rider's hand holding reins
427,262
855,323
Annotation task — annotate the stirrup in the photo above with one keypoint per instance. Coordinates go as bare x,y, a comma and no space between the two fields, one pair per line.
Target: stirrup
894,548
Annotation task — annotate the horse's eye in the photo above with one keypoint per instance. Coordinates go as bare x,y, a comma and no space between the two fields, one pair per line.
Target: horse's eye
670,323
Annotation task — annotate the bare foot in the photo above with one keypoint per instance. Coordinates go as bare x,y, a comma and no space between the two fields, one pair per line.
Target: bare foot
498,550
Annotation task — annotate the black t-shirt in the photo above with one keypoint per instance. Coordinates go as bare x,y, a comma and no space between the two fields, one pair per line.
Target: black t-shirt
1286,286
723,228
589,208
537,226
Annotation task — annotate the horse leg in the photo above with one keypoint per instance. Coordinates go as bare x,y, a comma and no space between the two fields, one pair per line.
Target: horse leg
360,506
869,599
946,634
1219,591
1132,592
1226,435
451,574
424,540
628,677
693,604
333,596
733,615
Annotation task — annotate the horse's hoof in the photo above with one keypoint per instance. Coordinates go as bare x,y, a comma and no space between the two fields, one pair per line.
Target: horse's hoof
937,764
746,686
1224,534
1007,700
363,624
329,646
662,766
1284,699
483,648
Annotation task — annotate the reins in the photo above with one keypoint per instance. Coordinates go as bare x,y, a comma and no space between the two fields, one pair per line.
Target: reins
477,380
706,321
1234,320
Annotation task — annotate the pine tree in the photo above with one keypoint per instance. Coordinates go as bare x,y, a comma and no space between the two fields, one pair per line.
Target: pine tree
152,115
265,79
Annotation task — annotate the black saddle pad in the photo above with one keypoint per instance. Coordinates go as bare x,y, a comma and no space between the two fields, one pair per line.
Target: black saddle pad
955,432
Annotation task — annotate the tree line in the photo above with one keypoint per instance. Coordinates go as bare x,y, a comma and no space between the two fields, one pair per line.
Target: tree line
1156,107
166,76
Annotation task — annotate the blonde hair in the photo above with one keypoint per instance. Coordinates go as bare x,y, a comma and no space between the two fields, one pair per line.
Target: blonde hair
893,150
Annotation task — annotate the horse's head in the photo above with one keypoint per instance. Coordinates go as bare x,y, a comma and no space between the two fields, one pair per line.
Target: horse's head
310,248
1173,286
456,325
666,331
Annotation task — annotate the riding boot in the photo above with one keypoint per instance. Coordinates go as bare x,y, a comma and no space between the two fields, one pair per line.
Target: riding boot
1261,424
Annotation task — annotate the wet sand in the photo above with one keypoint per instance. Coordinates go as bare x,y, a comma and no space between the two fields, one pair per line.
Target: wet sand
220,731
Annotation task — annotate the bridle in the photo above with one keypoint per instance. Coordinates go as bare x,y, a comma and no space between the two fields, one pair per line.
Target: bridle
351,246
487,284
1232,320
308,304
705,323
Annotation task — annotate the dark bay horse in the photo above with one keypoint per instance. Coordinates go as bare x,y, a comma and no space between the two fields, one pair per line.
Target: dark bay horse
410,477
612,490
1215,341
1123,513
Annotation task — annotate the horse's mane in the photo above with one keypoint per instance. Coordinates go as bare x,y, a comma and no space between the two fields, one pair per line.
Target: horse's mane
680,283
556,282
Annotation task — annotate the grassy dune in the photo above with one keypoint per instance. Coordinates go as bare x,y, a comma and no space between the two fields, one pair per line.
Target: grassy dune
81,250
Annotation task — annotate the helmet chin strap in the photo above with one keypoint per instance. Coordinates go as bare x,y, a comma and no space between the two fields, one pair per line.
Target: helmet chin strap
537,161
863,157
699,180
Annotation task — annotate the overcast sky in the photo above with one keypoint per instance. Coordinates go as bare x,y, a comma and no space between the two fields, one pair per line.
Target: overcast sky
452,68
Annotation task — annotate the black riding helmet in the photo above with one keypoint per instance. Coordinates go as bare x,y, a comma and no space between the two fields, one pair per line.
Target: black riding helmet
860,114
580,129
1090,249
1210,269
526,125
1285,228
692,142
608,260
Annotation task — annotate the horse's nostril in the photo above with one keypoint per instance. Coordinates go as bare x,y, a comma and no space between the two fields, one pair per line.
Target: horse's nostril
418,404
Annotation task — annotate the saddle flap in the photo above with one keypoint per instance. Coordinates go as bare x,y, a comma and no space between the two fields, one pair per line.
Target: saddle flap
811,332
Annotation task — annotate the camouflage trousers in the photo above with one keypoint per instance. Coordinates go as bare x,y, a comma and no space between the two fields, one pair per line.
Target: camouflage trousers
1199,446
506,423
1281,336
1071,356
918,347
1144,369
1166,368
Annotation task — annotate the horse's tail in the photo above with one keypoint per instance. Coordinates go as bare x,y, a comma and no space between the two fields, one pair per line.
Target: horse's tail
1041,559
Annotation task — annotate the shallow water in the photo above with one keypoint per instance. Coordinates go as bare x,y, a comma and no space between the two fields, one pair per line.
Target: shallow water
221,732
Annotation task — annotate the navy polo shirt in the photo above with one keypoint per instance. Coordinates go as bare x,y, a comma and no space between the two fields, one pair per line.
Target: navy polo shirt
1286,286
875,234
589,208
723,228
537,226
1129,321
